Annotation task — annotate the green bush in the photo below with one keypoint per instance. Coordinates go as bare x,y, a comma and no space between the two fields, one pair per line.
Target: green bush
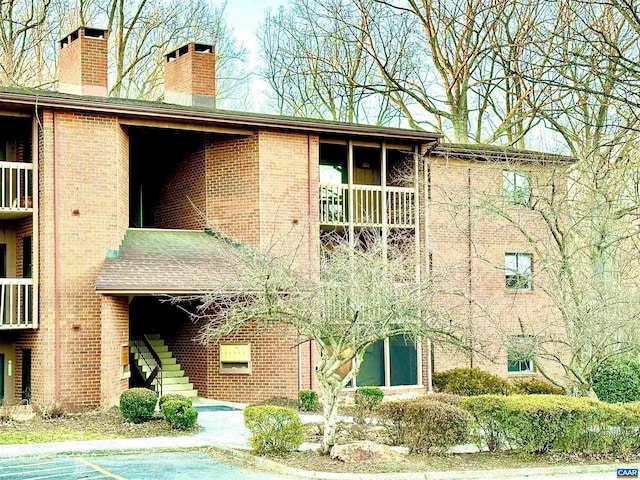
273,429
179,414
174,396
280,402
424,424
471,381
449,398
535,386
138,404
617,380
366,400
540,423
308,400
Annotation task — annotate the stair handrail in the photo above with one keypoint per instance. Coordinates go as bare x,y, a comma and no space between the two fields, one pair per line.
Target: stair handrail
153,370
158,369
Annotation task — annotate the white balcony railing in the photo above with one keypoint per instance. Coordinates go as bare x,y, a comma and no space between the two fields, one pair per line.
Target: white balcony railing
16,180
401,207
367,205
16,303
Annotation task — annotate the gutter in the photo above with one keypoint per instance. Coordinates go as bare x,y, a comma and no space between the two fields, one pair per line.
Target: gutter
155,111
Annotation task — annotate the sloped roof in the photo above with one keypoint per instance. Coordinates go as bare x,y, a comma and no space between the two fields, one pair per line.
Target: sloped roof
481,152
28,98
152,261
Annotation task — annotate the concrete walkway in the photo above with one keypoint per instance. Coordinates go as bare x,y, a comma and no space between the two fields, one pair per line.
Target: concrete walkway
220,428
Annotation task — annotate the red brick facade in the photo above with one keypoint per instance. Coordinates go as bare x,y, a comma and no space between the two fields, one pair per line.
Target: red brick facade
258,184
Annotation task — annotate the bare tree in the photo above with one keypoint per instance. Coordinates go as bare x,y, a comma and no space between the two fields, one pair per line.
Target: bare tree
458,68
23,27
310,55
583,242
355,299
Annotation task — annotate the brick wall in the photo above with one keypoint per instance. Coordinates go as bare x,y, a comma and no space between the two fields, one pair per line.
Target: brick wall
115,334
233,187
468,247
189,353
88,224
274,372
182,199
42,341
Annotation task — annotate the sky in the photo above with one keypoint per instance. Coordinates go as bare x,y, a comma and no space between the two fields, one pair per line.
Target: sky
245,16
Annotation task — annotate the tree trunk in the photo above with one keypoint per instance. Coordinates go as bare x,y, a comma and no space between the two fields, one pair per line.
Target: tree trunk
330,391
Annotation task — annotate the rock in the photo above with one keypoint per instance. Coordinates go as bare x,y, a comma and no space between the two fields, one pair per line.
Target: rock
364,452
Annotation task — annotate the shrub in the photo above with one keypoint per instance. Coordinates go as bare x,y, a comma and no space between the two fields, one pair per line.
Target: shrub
50,410
449,398
308,400
540,423
273,429
174,396
391,416
470,382
535,386
424,424
366,400
617,380
280,402
137,404
179,414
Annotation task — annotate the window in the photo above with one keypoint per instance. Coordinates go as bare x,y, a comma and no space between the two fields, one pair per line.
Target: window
516,187
520,353
517,269
395,357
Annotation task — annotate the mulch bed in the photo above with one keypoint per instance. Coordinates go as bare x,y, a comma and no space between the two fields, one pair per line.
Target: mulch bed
314,461
89,425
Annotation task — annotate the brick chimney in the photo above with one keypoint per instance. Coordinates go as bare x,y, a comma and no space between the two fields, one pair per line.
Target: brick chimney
190,75
82,62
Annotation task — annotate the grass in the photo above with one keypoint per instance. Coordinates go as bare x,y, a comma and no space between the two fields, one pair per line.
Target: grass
90,425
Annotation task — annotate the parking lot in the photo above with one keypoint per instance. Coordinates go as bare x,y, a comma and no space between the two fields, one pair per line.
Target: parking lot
135,466
52,467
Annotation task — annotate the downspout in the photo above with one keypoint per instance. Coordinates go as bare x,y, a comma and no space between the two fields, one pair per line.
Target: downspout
470,269
427,206
56,256
312,257
426,167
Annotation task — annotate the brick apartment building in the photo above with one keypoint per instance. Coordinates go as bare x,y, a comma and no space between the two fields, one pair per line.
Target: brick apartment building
103,208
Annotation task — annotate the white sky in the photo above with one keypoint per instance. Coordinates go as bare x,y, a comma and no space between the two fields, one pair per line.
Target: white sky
245,16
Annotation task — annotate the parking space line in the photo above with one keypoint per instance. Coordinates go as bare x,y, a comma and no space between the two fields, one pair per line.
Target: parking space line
98,468
28,471
63,475
23,465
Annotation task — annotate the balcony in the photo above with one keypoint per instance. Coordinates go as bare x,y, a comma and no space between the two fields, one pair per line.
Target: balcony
16,303
16,200
367,205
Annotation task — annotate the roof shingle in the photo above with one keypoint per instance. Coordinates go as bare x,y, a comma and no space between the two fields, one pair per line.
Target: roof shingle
154,261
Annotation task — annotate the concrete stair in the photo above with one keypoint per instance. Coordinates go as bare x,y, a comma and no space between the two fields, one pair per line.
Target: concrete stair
172,375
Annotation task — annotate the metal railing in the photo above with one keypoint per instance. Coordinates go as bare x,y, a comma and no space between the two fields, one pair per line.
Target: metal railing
367,205
16,180
16,303
150,359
